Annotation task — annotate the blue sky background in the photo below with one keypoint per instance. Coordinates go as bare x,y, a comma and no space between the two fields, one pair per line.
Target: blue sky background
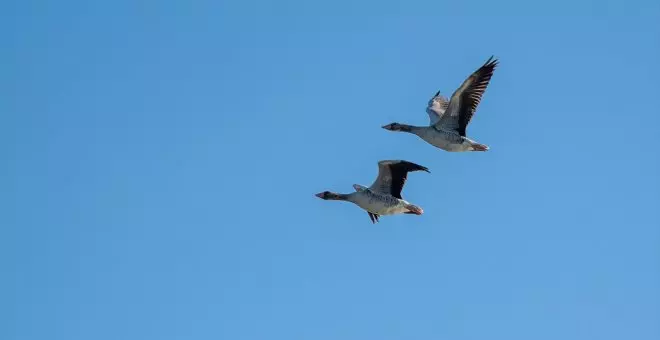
161,157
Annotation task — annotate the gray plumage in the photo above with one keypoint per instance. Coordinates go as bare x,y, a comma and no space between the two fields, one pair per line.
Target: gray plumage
383,197
448,119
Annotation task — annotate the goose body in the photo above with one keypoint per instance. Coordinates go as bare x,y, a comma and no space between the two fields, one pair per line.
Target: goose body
380,203
373,202
383,197
448,119
443,139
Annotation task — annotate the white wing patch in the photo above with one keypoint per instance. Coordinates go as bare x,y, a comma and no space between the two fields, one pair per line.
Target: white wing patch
437,107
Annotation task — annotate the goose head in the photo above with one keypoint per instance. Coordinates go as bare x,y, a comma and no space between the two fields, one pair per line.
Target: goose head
396,127
328,195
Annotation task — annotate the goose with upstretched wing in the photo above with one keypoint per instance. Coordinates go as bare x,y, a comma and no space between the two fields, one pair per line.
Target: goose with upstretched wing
449,118
383,197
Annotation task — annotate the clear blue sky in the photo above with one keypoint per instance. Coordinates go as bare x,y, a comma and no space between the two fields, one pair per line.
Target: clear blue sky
160,160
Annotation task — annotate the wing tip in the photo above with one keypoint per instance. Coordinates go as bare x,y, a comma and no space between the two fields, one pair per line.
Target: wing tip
416,167
423,168
492,62
410,166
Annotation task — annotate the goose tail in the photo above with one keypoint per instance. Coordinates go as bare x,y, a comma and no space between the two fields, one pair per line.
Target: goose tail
479,147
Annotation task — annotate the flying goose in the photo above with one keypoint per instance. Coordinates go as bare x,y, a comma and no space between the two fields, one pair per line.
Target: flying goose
383,197
450,118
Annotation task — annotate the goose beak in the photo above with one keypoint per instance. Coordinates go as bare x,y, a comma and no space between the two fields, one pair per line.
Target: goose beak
319,195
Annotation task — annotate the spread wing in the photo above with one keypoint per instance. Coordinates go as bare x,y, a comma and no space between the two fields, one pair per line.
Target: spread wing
392,176
466,98
436,107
